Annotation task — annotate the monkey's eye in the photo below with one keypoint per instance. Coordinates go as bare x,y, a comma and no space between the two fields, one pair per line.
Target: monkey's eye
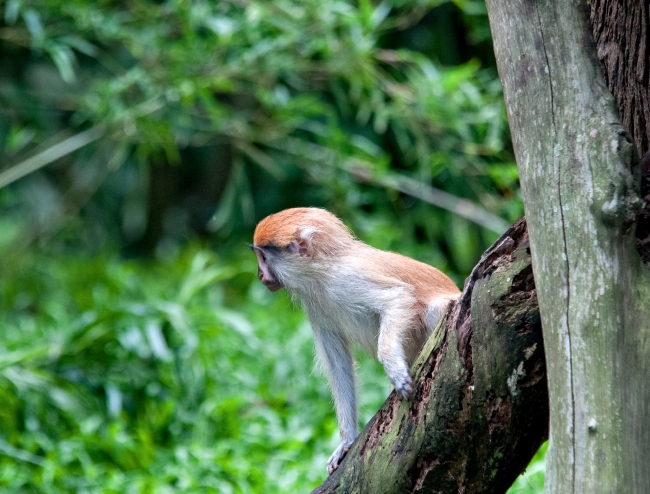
263,256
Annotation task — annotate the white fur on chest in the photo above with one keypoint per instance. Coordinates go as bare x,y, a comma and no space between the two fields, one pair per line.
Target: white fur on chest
349,305
359,327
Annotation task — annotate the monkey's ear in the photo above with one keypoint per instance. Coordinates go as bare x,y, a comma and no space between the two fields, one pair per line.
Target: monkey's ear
300,247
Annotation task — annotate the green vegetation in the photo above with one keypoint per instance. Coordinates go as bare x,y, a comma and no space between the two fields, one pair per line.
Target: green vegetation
139,145
138,377
178,376
204,117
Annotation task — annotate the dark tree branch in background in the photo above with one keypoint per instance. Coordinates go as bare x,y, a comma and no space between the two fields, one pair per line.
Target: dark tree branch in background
479,411
622,33
50,154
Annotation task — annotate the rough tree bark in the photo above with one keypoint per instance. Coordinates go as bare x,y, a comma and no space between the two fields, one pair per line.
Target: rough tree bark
480,410
621,30
576,167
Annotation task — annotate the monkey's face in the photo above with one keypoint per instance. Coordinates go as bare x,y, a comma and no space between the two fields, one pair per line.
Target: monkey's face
264,270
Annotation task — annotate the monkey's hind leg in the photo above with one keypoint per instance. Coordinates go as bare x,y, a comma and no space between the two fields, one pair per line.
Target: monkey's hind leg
435,310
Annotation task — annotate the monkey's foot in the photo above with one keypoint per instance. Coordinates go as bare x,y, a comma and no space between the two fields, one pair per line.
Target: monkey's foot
338,455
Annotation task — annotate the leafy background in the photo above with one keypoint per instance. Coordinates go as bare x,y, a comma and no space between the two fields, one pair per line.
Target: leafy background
140,142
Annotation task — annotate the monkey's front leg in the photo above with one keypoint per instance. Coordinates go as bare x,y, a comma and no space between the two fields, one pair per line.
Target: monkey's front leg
390,348
335,355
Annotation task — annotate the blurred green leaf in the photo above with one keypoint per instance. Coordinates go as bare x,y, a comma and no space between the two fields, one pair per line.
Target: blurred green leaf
63,58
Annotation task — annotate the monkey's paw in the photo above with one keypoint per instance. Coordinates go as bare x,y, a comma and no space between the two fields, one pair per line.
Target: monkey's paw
338,455
403,385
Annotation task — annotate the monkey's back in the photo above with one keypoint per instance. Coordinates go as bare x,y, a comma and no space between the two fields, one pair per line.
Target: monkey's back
427,281
394,275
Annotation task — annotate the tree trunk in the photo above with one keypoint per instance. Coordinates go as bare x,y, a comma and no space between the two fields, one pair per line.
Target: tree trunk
479,411
575,164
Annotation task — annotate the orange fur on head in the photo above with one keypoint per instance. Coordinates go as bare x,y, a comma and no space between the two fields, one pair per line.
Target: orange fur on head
280,229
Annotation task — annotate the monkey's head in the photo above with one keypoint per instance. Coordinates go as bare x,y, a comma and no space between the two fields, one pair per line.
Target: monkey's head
287,243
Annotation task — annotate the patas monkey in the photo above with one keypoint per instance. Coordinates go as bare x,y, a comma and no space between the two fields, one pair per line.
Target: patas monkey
353,294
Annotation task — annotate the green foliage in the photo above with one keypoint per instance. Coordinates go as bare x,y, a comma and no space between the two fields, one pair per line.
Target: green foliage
118,376
254,73
314,99
184,376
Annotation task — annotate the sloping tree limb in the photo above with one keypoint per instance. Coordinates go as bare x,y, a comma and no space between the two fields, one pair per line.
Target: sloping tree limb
479,410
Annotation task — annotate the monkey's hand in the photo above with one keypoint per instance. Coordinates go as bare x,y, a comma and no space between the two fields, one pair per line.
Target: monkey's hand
338,455
403,383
